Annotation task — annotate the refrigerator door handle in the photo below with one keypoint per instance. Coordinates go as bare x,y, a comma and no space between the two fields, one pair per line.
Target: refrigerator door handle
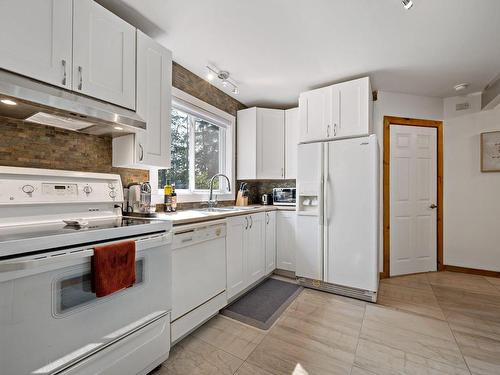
325,221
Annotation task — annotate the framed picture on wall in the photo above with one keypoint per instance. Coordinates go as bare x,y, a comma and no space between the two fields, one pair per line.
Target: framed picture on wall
490,152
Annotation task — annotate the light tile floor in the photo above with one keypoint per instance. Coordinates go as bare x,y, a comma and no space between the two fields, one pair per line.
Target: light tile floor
434,323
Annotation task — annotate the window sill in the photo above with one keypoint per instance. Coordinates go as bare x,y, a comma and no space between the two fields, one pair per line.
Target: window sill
184,197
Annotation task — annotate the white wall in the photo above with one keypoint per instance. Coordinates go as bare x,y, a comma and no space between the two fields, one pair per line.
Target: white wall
400,105
471,198
472,100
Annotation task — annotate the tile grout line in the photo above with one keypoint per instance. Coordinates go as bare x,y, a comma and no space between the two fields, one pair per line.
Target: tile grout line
359,337
452,333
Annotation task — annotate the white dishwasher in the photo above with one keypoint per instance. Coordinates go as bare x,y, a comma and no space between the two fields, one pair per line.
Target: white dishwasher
198,275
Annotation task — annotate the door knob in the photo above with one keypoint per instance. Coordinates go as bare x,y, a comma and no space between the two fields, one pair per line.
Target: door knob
433,206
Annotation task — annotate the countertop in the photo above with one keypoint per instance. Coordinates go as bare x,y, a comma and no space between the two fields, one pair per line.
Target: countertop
183,217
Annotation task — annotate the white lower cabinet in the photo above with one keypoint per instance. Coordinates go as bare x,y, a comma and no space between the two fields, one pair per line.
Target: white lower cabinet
285,240
245,252
270,241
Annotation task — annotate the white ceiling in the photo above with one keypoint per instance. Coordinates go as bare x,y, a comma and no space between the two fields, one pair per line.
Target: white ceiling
274,49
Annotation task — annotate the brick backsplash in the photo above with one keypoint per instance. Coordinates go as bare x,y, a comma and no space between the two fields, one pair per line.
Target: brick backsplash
194,85
258,187
25,144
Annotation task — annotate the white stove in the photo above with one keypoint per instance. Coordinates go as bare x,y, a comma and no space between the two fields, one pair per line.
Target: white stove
47,309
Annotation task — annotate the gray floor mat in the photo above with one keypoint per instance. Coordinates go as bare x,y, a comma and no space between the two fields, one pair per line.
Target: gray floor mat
263,305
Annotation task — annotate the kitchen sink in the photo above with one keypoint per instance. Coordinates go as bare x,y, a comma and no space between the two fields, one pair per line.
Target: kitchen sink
225,209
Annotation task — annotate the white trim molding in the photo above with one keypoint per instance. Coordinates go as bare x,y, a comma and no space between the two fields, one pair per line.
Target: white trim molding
219,117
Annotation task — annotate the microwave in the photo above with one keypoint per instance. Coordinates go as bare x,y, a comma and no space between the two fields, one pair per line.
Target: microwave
284,196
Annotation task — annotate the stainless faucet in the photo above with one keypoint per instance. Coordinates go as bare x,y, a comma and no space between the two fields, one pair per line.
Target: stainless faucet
211,202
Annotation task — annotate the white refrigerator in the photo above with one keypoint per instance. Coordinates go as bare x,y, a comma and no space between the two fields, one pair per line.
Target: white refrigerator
338,216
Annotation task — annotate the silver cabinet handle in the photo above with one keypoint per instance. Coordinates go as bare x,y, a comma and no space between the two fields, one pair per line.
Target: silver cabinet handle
246,221
63,62
282,172
141,155
334,130
251,222
268,218
80,71
328,131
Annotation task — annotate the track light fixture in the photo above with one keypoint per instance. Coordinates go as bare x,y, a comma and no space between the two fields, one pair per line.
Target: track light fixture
407,4
223,76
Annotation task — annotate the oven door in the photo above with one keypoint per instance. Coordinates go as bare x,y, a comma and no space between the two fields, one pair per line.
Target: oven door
50,320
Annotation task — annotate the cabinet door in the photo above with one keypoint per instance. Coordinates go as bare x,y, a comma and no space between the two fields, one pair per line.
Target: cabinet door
36,39
154,86
255,248
270,143
270,242
236,235
103,54
351,108
246,159
291,142
285,240
314,114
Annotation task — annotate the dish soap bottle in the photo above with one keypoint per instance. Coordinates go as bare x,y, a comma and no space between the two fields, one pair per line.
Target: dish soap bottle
167,195
174,199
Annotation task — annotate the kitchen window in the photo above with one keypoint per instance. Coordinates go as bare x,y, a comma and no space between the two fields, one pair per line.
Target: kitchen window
202,140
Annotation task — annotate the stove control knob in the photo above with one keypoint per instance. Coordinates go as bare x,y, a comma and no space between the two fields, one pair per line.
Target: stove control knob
112,194
87,189
111,186
28,189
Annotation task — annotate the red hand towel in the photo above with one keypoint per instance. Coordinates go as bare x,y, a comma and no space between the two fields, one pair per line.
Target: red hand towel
113,267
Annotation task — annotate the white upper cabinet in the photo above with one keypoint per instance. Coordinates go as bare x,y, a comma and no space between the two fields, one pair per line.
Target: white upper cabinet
261,143
154,99
338,111
314,114
351,108
291,142
150,148
104,54
36,39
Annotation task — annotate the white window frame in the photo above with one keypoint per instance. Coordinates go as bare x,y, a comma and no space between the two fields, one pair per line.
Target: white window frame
197,107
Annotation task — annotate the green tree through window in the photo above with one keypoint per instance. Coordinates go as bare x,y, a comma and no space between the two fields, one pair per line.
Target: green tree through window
198,152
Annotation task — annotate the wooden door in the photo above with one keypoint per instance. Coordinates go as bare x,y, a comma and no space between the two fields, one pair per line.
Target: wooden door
413,199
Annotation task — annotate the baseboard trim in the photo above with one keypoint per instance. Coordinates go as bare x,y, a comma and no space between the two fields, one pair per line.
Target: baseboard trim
472,271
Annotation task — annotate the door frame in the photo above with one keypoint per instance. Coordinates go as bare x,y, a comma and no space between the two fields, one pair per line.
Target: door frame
388,120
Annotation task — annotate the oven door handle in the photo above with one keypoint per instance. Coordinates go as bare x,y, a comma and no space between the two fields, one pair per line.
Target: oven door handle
71,254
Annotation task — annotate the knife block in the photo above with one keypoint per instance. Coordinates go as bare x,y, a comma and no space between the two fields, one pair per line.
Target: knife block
241,200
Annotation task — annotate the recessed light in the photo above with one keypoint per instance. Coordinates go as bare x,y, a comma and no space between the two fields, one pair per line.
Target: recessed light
118,128
407,4
461,86
8,102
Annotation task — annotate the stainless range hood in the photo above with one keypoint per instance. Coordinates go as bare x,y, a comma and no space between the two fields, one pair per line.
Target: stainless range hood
49,105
